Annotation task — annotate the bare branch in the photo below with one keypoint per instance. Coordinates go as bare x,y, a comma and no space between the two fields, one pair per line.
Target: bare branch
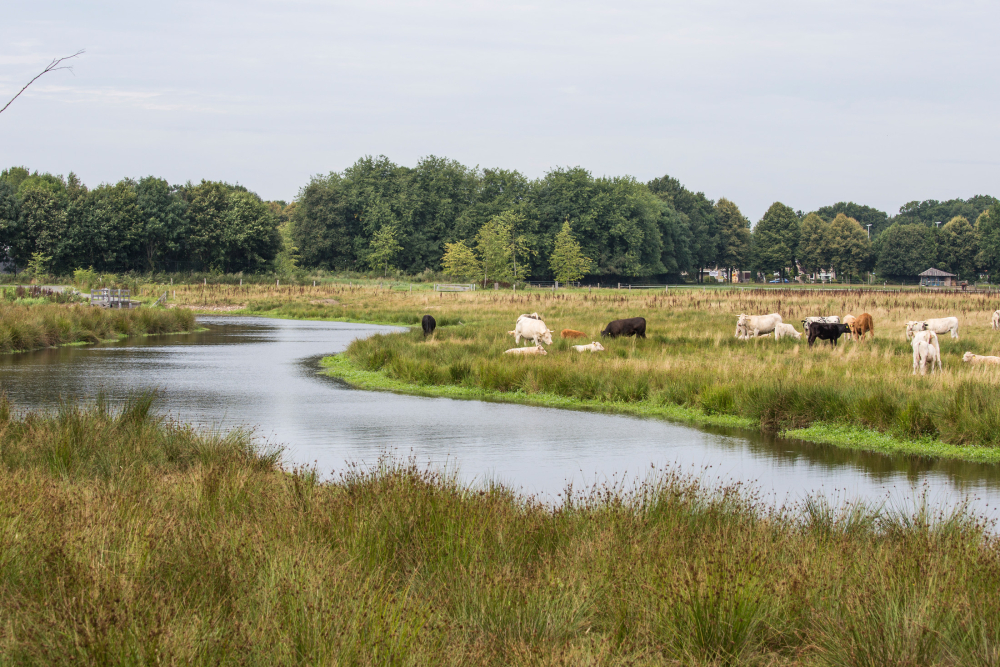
52,67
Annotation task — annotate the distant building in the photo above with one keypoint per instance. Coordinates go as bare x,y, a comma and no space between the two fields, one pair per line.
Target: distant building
937,278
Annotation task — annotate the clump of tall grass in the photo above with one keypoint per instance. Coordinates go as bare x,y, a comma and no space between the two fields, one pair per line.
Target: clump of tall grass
129,538
24,327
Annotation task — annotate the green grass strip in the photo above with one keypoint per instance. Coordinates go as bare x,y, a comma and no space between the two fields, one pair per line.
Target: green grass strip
840,435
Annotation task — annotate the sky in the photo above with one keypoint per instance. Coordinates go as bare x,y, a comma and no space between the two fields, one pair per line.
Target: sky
805,102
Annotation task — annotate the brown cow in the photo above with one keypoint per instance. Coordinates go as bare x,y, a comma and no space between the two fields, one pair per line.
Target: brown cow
862,325
572,333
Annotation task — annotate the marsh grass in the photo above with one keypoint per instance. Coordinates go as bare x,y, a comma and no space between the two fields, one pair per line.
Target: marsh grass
30,327
128,538
690,358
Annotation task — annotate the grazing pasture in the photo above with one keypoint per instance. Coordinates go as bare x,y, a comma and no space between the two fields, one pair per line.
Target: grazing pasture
689,357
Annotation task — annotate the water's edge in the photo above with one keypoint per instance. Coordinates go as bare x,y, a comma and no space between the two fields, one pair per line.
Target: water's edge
846,437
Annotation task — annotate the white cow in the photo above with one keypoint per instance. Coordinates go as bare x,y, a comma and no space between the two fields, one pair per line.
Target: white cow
593,347
926,349
532,329
784,329
537,349
941,325
756,325
970,358
996,319
829,319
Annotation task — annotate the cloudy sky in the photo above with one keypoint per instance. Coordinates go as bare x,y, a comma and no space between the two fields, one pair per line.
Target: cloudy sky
805,102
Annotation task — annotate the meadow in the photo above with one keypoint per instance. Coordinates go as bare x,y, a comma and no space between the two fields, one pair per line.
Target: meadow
128,538
690,367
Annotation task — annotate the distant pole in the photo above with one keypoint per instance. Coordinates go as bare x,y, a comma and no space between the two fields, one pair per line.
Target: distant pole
869,225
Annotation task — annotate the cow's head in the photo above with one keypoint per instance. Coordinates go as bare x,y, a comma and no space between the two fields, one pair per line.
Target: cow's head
967,357
598,346
546,337
541,350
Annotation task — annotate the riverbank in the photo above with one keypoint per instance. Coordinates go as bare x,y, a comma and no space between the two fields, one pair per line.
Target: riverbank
840,435
37,326
128,535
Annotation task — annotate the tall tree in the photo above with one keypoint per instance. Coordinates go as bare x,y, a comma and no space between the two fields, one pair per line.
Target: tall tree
988,235
775,239
849,246
904,251
958,247
460,262
701,217
493,242
567,262
384,248
865,215
814,244
734,236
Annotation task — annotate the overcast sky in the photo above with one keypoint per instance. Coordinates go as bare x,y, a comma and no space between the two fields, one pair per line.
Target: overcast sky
804,102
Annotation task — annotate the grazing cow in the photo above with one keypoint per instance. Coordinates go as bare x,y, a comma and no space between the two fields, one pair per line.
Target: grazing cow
531,329
756,324
825,331
536,350
593,347
784,329
829,319
572,333
970,358
864,324
996,319
633,326
941,325
428,324
926,349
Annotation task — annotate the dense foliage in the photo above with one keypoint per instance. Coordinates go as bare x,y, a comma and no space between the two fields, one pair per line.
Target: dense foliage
380,216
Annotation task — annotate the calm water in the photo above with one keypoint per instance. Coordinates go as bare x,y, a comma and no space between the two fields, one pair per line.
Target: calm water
263,373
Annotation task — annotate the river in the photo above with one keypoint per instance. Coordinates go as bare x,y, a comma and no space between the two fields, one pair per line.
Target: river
246,371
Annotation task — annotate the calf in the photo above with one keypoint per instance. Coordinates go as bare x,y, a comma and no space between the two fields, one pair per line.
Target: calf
830,332
428,324
536,350
926,349
996,319
633,326
784,329
572,333
970,358
864,324
593,347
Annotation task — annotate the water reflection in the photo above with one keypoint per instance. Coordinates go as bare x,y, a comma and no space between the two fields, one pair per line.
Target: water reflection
262,372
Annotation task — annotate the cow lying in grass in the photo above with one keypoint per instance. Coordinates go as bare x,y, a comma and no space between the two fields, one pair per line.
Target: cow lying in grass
536,350
830,332
784,329
970,358
751,326
926,350
572,333
593,347
941,325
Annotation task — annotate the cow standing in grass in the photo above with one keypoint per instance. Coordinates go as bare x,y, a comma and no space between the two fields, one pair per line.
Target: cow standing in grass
940,326
862,325
428,324
926,350
756,325
529,327
996,320
785,330
830,332
633,326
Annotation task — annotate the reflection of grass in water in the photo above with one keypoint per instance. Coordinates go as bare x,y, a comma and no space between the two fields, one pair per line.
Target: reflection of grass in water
125,535
691,359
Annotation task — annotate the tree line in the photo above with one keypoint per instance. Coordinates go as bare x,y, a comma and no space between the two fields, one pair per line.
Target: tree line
475,224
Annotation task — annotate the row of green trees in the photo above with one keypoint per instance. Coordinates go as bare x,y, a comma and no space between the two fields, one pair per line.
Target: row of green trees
471,222
59,225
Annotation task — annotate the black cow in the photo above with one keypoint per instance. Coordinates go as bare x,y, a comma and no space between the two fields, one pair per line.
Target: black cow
830,332
428,325
633,326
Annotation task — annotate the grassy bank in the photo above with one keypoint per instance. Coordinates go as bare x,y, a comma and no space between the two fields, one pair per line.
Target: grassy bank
34,326
130,539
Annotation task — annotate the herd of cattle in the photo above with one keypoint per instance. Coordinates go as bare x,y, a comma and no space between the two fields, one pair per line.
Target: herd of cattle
922,334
